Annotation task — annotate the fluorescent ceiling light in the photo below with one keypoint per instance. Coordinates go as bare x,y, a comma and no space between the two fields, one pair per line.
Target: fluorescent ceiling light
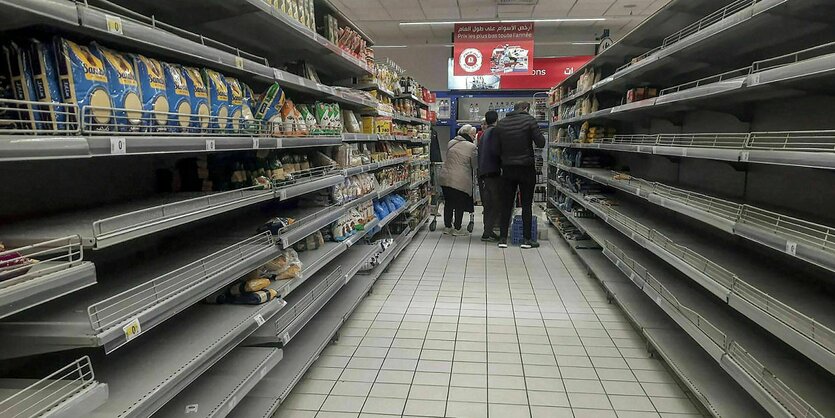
452,22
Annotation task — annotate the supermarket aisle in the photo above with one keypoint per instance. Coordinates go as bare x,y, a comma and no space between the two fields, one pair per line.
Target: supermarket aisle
460,328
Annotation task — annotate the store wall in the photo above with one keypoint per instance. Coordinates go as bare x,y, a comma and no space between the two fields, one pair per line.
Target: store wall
428,65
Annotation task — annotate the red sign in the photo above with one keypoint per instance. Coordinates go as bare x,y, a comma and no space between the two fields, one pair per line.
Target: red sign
547,73
493,48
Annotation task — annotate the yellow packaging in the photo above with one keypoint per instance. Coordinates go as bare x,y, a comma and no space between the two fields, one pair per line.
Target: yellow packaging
368,125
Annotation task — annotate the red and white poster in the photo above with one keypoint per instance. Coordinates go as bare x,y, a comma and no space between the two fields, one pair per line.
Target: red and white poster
545,73
493,48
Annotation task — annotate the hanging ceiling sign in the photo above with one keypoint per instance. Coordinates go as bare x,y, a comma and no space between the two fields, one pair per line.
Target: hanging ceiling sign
493,48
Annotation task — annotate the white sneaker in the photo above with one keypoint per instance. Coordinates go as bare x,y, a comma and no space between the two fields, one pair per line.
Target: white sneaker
459,233
447,231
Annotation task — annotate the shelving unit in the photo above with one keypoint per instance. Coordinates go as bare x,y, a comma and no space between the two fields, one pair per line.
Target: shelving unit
71,391
709,204
306,346
137,260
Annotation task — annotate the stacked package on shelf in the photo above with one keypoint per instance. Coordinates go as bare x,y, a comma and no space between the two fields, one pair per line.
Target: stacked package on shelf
117,91
253,289
300,10
352,222
283,117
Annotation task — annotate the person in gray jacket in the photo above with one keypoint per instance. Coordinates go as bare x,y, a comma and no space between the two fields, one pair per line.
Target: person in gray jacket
456,179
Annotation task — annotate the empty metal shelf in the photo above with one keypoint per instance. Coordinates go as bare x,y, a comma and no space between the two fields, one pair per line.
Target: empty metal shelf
796,313
42,272
143,377
215,393
794,383
128,305
70,392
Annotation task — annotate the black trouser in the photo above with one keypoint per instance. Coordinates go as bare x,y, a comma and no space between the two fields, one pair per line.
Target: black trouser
490,188
455,204
524,178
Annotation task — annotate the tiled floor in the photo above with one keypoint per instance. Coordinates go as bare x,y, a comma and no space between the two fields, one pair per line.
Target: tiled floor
459,328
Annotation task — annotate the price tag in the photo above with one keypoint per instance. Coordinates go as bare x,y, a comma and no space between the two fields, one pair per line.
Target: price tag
744,155
233,402
239,62
118,145
132,329
259,320
278,142
791,247
263,372
210,145
285,338
256,143
347,279
278,75
191,409
114,24
282,194
684,152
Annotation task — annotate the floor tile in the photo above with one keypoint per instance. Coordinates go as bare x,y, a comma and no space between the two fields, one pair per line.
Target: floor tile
391,406
351,388
428,408
455,409
343,403
429,392
509,411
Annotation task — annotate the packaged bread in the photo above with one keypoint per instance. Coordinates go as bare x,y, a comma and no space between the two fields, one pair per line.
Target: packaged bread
199,95
23,88
178,95
123,86
291,119
309,120
47,85
219,102
152,88
83,81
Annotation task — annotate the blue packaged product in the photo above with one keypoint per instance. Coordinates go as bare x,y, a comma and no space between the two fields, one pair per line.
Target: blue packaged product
84,81
199,94
23,88
152,89
47,87
123,84
236,102
218,100
179,100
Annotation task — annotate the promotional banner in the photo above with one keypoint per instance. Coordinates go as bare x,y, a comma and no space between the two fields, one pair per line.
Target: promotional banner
545,73
493,48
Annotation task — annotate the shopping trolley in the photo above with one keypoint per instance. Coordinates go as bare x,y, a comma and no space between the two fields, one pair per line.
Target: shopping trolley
437,197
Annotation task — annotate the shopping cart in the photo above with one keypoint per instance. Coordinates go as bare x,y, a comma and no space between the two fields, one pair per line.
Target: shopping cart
437,197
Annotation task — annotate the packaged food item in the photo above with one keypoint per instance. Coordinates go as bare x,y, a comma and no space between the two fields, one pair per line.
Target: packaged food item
179,98
218,100
293,124
123,87
152,88
13,264
269,110
309,120
199,95
284,267
47,86
349,121
22,86
236,103
253,282
83,81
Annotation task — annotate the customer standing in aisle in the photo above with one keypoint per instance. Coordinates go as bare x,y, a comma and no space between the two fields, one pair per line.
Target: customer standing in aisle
514,138
489,183
456,179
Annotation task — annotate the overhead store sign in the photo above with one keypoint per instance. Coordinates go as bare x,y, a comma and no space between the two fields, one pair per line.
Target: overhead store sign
545,73
493,48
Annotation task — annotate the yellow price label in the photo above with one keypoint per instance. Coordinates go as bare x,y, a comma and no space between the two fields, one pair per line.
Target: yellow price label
114,24
132,329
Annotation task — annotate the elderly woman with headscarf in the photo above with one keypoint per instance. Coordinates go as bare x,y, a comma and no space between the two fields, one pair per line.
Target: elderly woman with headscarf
456,179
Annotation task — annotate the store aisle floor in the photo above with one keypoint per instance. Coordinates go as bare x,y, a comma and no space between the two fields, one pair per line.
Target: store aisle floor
460,328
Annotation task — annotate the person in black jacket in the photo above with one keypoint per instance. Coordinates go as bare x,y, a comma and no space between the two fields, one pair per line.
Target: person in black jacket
514,138
489,183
